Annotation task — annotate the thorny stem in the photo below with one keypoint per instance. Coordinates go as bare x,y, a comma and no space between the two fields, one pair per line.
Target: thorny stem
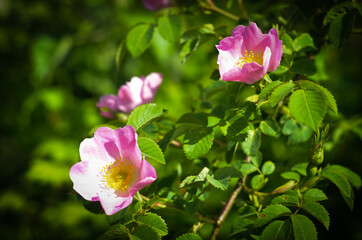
199,216
229,204
212,7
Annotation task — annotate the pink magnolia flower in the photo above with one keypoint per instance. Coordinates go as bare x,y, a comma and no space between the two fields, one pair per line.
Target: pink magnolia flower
140,90
248,54
155,5
112,169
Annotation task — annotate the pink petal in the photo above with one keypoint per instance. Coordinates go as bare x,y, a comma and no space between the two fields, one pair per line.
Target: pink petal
276,48
230,49
147,175
155,5
128,145
108,101
252,36
238,30
130,95
107,143
249,73
91,151
107,115
85,180
150,87
112,203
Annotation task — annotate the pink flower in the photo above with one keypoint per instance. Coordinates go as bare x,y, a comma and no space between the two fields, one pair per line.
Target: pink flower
108,104
138,91
248,54
155,5
112,169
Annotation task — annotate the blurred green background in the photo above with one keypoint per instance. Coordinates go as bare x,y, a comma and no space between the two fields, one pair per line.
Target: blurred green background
58,58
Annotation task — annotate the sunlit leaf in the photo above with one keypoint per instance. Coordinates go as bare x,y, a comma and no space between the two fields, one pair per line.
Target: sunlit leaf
197,142
139,39
308,107
170,27
145,114
154,221
150,149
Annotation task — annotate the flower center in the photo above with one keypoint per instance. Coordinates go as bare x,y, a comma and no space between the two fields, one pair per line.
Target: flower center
118,175
249,57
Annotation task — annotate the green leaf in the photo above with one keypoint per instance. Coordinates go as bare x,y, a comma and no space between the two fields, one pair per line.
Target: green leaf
215,87
193,118
287,44
247,168
272,212
303,228
215,75
252,143
341,28
115,232
331,102
304,66
165,141
315,194
189,236
302,42
145,232
280,92
145,114
290,175
318,211
270,127
352,177
339,180
349,200
201,177
297,133
170,27
154,221
241,225
121,52
257,182
216,183
139,39
257,159
268,168
301,168
239,122
150,149
189,47
286,199
308,107
265,91
197,142
277,230
227,172
341,8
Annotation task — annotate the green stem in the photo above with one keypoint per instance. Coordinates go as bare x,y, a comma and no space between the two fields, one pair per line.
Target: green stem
211,6
229,204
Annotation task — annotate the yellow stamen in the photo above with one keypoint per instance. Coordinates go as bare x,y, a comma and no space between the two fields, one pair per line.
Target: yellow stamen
249,57
119,174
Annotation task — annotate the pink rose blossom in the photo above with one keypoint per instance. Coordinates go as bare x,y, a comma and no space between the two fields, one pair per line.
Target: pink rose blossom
112,169
155,5
248,54
140,90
